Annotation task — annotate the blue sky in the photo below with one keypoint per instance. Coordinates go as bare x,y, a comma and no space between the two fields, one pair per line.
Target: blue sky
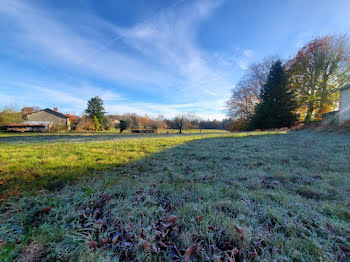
153,57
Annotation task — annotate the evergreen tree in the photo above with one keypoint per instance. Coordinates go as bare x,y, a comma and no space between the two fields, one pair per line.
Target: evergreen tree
277,102
96,109
123,125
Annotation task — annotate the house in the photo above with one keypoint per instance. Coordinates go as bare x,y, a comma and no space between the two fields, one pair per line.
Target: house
55,118
344,104
343,114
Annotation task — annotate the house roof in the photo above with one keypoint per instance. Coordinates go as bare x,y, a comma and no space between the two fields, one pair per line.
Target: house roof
344,87
26,125
50,111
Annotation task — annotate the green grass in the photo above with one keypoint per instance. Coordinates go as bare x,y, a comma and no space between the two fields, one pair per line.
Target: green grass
282,197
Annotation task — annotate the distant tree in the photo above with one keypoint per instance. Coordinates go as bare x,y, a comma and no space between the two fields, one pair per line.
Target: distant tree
124,125
192,121
96,123
29,110
277,103
10,115
96,109
316,72
180,122
107,123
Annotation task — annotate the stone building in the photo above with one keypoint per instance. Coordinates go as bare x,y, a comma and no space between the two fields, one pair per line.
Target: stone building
47,115
344,104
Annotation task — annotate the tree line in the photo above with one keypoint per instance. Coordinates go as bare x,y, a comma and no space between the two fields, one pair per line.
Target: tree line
95,118
273,94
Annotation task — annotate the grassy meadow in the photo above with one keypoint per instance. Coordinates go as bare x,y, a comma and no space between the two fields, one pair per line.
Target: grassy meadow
263,196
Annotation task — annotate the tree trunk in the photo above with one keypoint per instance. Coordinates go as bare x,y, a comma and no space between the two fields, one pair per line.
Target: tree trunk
310,110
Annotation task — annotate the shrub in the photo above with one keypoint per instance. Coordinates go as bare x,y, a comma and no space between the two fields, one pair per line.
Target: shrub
85,124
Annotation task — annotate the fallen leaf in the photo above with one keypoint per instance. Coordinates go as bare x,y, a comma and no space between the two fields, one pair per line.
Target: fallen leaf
101,222
192,252
103,241
142,234
199,219
92,244
252,255
210,228
162,245
45,209
145,246
96,213
115,238
239,230
344,248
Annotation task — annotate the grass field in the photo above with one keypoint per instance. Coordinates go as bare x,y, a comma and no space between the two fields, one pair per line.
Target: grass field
215,197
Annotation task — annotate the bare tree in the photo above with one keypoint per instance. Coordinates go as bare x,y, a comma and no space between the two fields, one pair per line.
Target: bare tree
180,122
245,96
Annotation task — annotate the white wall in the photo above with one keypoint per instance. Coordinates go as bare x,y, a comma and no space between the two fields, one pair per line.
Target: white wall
344,106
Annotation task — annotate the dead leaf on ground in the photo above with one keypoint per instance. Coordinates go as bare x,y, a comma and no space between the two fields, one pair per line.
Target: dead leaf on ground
115,238
192,252
239,230
344,248
199,218
103,242
145,246
101,222
96,213
45,210
92,244
252,255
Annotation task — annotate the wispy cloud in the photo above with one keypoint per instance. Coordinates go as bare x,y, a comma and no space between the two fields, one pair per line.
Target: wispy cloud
160,56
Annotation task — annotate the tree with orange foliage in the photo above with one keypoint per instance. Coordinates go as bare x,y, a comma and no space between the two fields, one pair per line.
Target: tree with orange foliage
316,72
73,118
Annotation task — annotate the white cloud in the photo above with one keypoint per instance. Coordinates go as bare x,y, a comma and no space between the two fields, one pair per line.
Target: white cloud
162,57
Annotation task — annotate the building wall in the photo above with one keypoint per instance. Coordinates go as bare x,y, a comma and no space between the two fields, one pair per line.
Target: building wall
344,105
45,116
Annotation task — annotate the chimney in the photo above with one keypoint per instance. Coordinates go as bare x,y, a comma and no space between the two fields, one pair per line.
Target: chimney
55,109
